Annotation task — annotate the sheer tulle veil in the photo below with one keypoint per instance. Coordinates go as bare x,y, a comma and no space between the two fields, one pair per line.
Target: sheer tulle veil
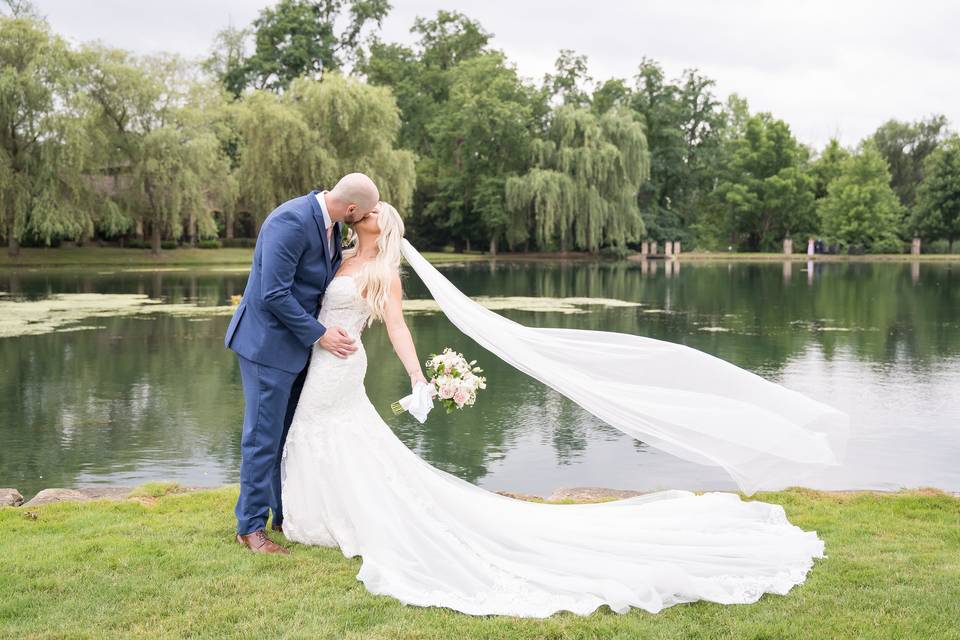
672,397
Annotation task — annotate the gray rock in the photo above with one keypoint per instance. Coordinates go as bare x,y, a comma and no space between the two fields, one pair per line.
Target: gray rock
10,498
78,495
591,494
520,496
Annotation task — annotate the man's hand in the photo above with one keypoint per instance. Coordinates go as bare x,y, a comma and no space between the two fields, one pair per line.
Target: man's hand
337,342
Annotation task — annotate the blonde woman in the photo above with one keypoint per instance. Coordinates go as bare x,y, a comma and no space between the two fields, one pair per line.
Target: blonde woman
429,538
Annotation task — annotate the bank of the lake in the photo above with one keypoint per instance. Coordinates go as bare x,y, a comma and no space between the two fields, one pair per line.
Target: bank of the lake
163,564
90,256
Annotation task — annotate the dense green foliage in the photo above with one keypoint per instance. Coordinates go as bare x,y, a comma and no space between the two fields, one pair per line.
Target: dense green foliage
937,214
861,209
163,564
764,192
98,143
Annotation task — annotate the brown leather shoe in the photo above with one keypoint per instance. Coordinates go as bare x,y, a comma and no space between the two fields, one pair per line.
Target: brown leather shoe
258,542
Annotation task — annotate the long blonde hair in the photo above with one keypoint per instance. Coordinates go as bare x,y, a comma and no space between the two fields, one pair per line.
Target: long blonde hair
374,278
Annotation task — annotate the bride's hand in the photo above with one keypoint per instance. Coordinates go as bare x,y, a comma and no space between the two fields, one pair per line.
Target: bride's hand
415,378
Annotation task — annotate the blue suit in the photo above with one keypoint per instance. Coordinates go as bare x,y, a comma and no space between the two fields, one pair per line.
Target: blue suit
272,332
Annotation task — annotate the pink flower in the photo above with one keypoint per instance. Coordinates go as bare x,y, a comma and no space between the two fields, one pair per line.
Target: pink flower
447,391
460,397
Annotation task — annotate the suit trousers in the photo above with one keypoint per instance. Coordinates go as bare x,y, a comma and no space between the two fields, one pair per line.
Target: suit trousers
270,398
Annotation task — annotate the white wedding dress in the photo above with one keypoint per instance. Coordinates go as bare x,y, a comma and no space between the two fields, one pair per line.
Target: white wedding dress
429,538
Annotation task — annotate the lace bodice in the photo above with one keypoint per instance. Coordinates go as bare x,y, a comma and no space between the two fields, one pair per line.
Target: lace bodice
342,306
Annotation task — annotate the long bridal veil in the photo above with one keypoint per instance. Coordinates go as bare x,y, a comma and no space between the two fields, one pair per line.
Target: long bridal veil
670,396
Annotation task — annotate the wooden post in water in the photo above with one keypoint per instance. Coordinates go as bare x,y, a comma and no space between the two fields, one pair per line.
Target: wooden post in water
915,247
644,249
676,248
668,249
653,248
788,246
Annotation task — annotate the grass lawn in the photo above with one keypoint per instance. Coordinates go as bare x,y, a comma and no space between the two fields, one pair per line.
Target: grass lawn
32,257
165,565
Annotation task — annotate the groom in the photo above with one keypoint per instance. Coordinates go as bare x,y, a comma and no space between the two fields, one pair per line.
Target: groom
273,330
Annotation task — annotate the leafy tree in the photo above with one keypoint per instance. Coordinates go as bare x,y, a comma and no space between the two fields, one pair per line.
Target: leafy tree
609,94
43,151
684,124
765,192
152,127
294,39
571,80
479,136
172,177
828,167
315,133
421,79
355,126
582,190
228,59
905,146
937,211
278,153
861,209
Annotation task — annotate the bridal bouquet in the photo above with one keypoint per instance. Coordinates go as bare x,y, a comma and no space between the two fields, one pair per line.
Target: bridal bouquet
452,379
455,381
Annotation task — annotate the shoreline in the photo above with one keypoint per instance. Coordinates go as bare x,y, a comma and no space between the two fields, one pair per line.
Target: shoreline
11,497
38,258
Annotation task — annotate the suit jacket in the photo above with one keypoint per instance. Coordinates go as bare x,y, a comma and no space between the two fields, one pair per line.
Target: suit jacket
276,322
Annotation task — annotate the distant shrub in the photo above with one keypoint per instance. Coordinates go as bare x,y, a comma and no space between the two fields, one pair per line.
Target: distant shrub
212,243
168,244
136,243
239,243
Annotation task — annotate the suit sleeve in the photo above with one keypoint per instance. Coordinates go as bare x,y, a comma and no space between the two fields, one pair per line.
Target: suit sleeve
283,245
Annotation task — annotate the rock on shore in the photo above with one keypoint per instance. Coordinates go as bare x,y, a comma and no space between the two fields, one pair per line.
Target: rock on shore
10,498
78,495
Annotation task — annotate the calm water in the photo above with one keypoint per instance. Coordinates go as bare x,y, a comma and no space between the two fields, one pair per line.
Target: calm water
136,398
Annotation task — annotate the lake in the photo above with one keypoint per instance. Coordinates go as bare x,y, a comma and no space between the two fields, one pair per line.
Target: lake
113,376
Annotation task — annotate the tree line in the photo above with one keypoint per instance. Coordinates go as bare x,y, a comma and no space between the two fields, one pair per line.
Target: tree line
100,144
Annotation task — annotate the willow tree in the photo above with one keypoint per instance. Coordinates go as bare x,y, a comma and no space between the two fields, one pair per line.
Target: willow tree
172,179
582,190
154,128
312,135
278,153
42,149
356,126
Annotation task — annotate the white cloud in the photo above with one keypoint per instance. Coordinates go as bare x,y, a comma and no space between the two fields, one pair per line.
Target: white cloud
826,67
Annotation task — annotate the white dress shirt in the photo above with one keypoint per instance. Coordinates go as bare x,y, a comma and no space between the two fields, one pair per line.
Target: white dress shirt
328,226
327,223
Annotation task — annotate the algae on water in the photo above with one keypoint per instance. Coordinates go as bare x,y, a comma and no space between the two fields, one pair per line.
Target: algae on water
521,303
60,312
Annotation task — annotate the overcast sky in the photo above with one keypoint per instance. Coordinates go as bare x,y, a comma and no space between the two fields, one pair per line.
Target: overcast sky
827,67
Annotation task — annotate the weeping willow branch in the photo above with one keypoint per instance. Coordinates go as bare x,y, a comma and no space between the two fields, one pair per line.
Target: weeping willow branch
582,191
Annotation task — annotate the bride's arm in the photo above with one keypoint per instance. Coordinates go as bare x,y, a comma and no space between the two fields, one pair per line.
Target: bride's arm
399,333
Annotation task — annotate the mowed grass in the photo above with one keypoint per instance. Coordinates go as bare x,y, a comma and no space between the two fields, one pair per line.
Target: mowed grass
33,257
165,565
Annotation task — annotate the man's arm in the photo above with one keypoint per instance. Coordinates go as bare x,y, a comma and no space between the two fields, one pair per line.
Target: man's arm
283,245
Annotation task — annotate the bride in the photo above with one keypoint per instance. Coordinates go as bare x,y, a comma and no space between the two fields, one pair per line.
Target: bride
429,538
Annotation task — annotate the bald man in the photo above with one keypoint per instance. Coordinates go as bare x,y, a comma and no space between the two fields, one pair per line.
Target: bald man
275,327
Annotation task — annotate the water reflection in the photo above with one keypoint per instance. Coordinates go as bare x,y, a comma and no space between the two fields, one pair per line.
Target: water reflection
157,396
